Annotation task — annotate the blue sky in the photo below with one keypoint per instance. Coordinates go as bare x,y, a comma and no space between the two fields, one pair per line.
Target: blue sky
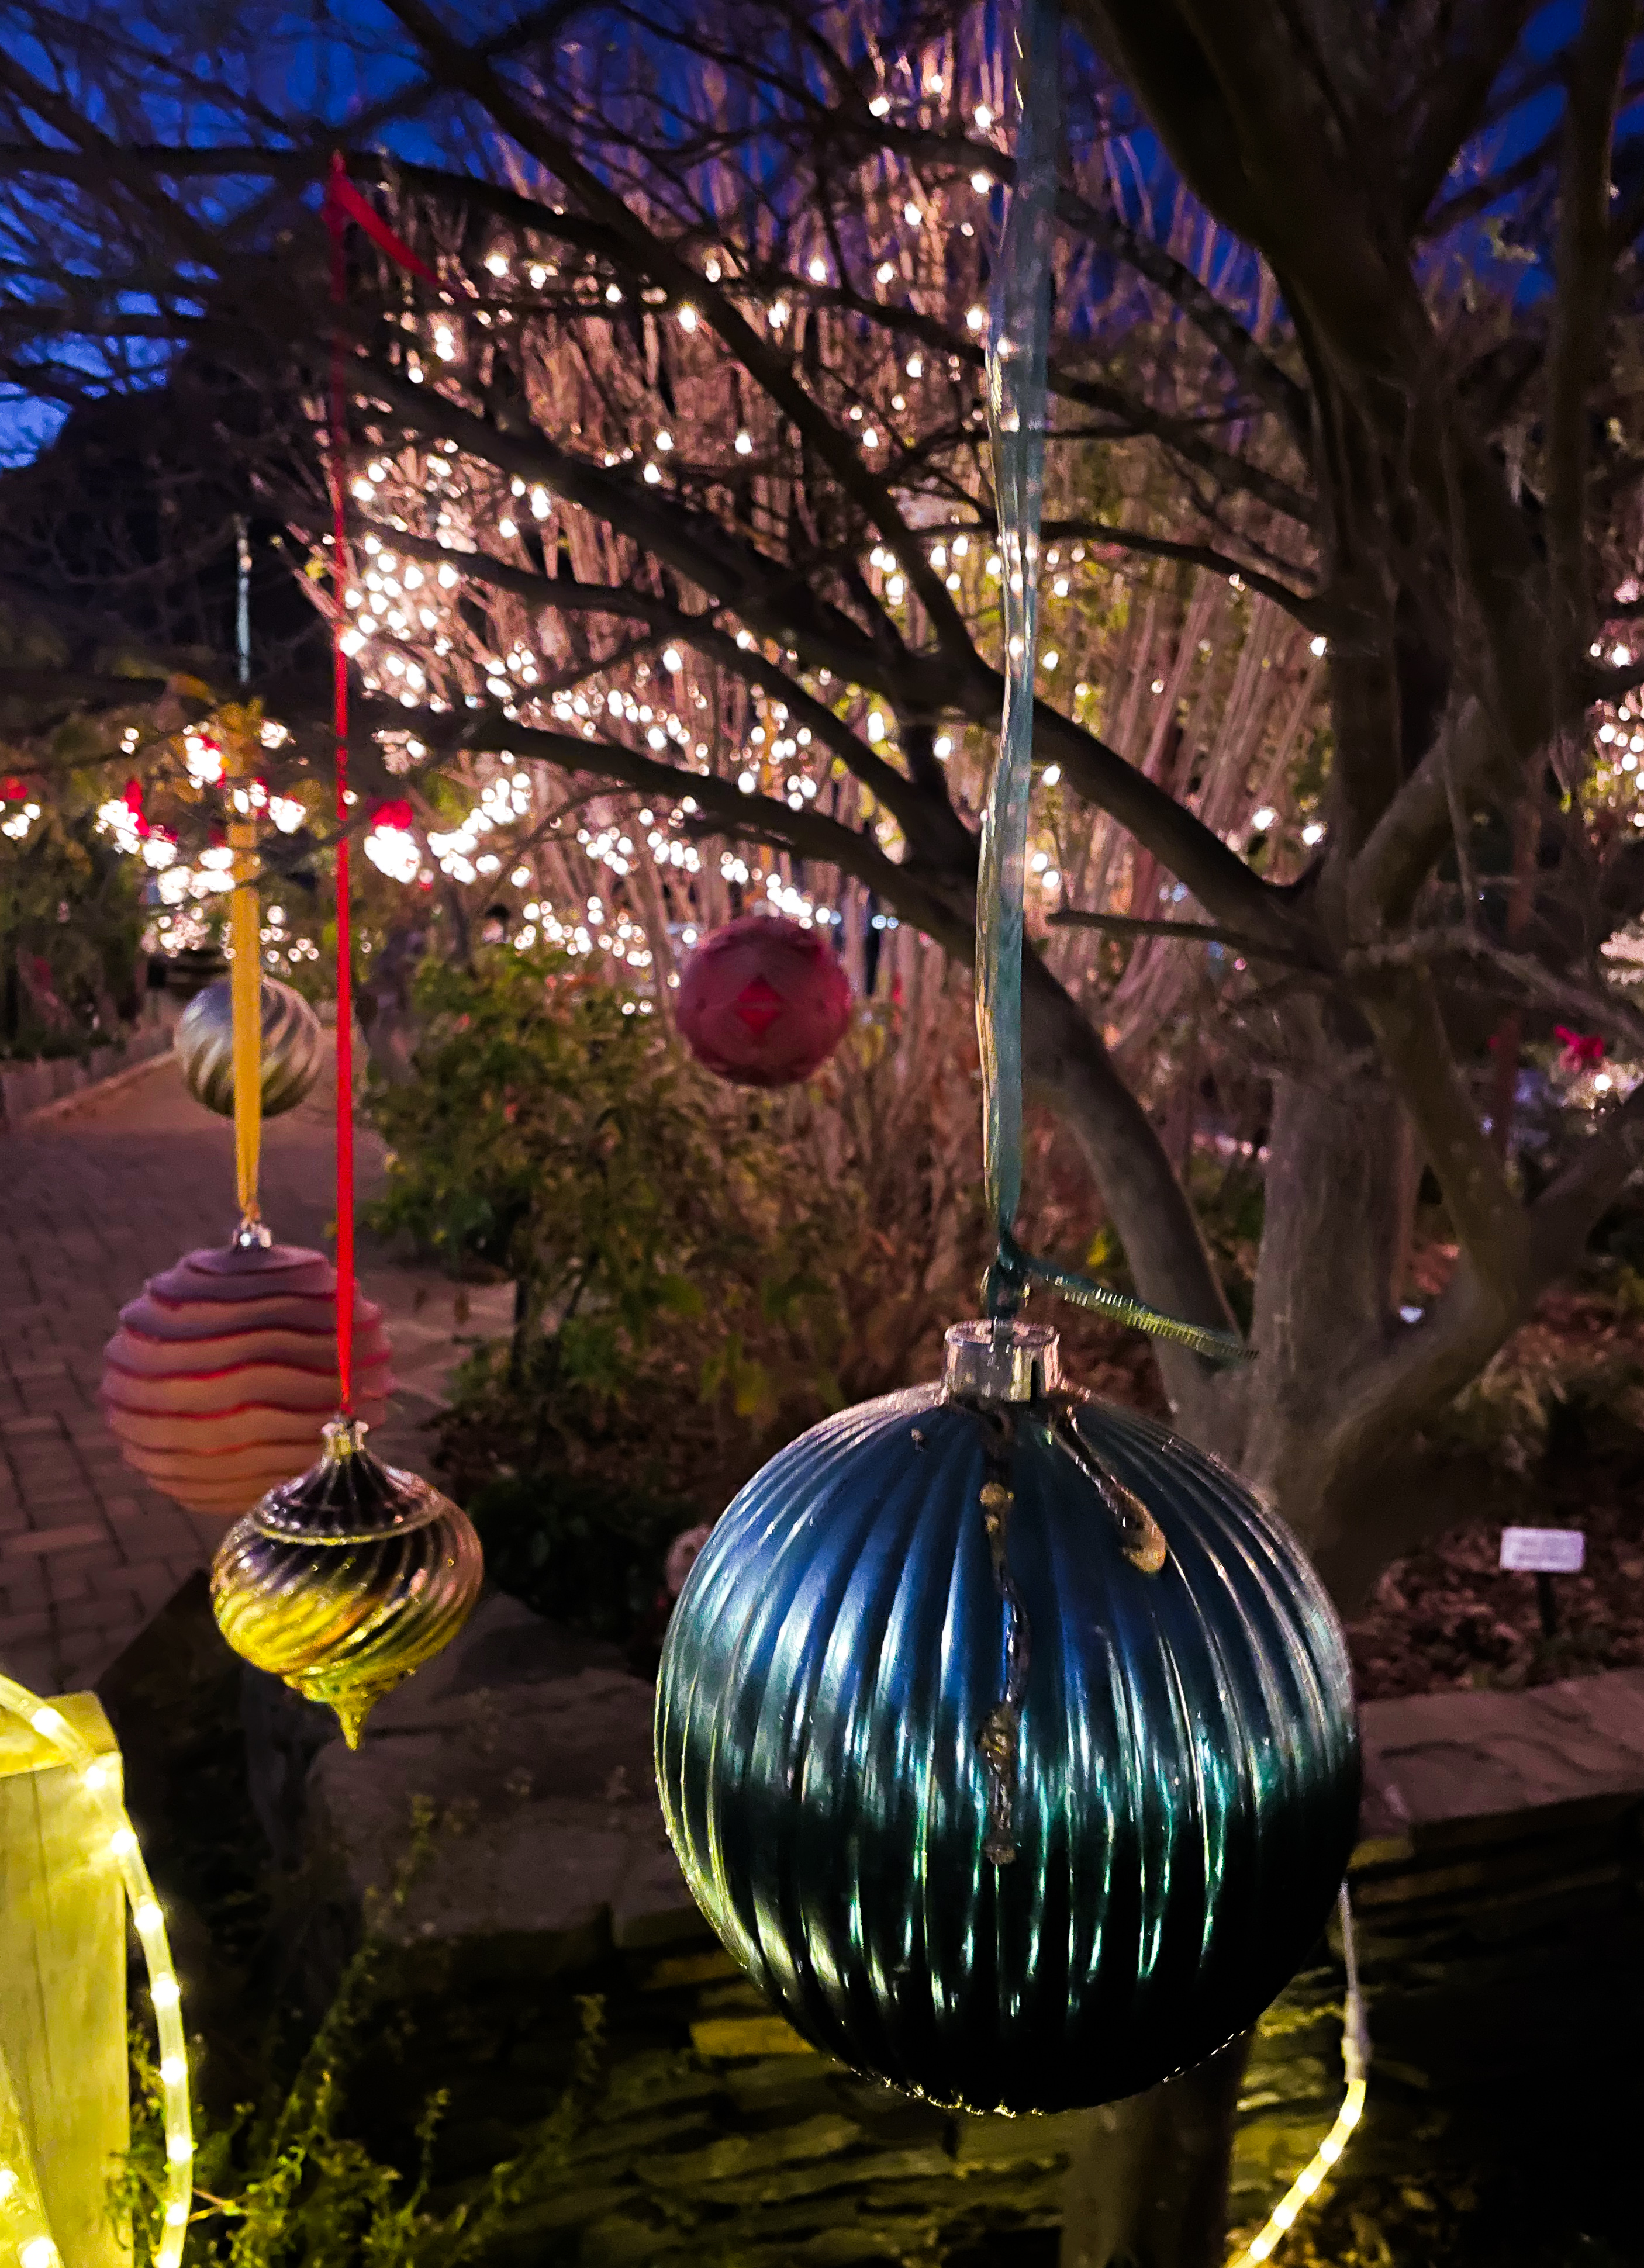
341,59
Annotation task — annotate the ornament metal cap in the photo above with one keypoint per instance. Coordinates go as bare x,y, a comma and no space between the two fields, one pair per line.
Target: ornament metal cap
1004,1360
346,1579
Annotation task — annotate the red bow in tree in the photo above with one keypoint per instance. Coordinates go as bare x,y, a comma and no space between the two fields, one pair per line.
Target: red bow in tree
1582,1050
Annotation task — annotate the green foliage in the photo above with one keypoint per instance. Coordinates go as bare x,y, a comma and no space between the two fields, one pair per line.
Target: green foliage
289,2190
673,1288
553,1134
67,900
580,1546
699,1271
1540,1394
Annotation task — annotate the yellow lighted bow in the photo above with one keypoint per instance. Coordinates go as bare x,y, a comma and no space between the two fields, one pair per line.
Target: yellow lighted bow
23,2222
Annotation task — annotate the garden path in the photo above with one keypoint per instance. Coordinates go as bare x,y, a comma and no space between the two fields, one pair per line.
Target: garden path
115,1187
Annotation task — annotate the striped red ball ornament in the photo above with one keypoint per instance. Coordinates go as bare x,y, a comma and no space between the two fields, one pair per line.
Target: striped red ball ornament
762,1002
223,1372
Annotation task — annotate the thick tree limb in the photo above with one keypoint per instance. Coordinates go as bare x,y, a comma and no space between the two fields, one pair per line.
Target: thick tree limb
1520,973
917,810
1399,853
1191,933
1563,1216
702,553
1452,98
1403,1010
773,598
1193,852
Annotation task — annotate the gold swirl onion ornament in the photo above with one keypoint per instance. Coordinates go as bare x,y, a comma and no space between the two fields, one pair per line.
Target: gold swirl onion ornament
346,1579
292,1048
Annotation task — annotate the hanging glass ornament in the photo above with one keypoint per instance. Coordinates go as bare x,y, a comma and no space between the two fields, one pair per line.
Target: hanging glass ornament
221,1374
762,1002
346,1579
1005,1741
293,1048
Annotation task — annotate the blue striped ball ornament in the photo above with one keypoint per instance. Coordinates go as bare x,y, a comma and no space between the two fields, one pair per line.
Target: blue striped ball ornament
1005,1741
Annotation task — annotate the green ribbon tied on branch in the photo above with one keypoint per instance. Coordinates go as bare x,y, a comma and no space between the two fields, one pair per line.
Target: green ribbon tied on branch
1019,325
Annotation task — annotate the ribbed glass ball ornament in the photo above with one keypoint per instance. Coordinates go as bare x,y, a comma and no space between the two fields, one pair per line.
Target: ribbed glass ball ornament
1005,1741
346,1579
293,1048
224,1371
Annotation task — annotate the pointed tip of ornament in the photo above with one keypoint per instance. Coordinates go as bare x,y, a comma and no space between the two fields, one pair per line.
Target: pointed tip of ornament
351,1716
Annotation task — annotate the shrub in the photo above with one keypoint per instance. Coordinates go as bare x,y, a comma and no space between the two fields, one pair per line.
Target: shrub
700,1271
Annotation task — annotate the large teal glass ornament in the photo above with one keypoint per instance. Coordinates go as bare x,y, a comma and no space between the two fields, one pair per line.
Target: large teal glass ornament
1005,1739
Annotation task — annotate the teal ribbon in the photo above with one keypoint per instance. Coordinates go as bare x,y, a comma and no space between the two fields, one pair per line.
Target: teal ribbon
1019,324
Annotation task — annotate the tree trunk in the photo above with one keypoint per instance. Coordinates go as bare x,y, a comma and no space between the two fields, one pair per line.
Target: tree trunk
1148,2187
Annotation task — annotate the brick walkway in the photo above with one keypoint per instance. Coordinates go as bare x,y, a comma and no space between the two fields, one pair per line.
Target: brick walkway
91,1203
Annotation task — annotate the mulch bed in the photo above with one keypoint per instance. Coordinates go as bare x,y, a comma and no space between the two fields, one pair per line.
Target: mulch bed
1446,1616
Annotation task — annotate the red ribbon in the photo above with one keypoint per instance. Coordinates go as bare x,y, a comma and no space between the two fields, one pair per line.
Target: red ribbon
1580,1049
344,203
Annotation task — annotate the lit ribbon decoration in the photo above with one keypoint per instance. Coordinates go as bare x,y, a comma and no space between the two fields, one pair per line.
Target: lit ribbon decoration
1019,324
23,2221
1355,2059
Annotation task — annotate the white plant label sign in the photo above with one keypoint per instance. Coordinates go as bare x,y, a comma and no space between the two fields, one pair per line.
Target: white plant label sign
1544,1550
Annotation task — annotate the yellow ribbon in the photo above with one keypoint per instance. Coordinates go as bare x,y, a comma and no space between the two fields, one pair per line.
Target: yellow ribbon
246,999
25,2231
23,2223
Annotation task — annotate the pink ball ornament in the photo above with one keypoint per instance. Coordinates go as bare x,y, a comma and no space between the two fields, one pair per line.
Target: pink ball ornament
762,1002
224,1371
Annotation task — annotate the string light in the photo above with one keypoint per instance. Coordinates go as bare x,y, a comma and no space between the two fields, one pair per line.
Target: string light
1355,2057
22,2216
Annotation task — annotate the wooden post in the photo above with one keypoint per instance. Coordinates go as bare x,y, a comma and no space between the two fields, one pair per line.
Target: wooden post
62,1980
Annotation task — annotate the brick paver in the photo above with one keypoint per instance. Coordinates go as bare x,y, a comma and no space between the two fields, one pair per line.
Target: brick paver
91,1202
